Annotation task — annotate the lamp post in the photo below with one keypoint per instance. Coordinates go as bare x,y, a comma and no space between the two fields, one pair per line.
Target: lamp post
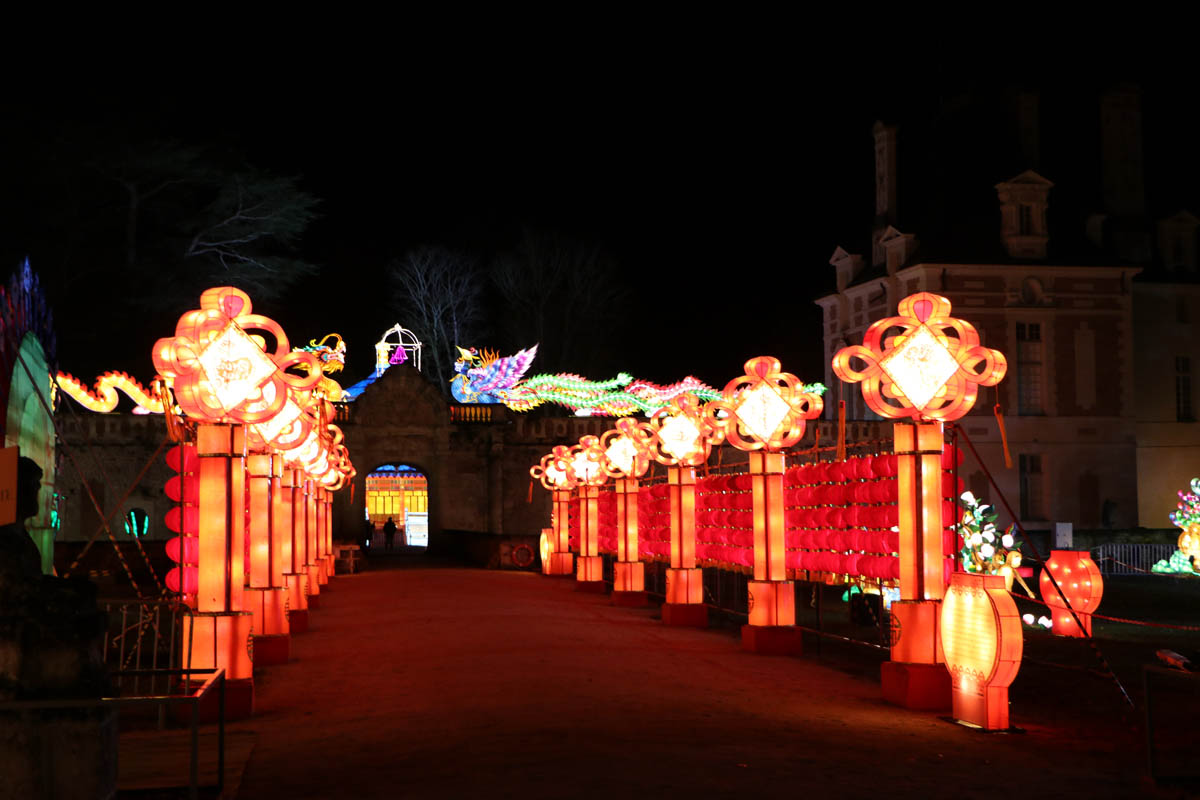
553,473
584,465
683,438
625,450
927,370
764,412
225,377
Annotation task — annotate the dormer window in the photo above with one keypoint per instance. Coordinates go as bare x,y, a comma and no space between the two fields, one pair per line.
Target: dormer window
1023,204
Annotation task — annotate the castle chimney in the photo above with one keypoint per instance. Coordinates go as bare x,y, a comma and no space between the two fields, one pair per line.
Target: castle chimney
1121,149
885,189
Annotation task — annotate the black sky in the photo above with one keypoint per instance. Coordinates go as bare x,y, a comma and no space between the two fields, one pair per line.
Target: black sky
721,190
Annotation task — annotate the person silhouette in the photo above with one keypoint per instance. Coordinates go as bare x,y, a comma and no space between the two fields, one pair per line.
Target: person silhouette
389,532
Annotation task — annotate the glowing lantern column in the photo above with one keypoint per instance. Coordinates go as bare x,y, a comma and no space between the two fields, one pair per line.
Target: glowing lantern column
763,412
683,438
290,531
220,630
981,644
926,371
588,476
552,471
319,530
625,457
266,600
1080,587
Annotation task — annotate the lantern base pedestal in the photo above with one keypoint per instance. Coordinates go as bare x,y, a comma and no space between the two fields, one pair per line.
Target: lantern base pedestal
239,703
272,649
630,599
296,585
322,572
589,569
982,707
314,582
772,640
269,607
685,615
920,687
561,564
629,576
298,620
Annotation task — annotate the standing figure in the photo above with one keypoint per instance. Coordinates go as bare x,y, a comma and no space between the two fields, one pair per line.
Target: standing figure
389,532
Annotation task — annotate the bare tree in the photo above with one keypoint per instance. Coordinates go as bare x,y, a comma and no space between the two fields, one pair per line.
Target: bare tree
562,295
439,296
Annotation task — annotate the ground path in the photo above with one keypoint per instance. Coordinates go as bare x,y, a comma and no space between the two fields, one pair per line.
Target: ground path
437,681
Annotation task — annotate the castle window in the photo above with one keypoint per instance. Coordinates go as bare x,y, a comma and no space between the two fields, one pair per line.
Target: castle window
1183,389
1032,487
1025,219
1029,368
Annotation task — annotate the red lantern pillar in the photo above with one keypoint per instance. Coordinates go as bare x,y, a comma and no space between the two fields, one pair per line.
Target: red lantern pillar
266,601
218,634
914,678
318,495
589,573
330,556
561,558
1080,587
772,598
685,581
629,574
291,531
308,527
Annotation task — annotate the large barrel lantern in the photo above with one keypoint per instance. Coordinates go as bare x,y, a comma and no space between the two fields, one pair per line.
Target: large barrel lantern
981,641
1080,583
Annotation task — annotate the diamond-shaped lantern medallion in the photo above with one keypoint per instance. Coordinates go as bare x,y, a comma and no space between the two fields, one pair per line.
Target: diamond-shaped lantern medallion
235,367
683,434
766,408
626,449
931,369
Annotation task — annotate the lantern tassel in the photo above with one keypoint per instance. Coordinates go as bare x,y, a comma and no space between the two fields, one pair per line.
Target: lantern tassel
1003,436
841,435
529,497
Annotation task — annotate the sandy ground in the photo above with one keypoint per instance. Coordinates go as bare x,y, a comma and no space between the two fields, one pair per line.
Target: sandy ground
439,681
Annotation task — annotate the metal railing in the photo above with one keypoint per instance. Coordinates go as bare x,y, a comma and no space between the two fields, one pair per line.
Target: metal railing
215,682
1130,558
143,636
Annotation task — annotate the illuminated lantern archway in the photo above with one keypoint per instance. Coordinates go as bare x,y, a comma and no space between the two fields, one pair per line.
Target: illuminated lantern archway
554,474
763,412
683,438
626,457
923,367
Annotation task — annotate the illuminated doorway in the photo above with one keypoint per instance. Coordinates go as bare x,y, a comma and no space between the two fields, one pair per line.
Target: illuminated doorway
401,493
28,427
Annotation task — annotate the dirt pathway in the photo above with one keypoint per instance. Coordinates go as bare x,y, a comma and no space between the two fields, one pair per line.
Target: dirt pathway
448,682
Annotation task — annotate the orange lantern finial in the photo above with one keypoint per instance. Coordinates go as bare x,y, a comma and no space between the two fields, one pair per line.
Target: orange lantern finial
683,433
932,368
765,408
222,373
626,449
554,471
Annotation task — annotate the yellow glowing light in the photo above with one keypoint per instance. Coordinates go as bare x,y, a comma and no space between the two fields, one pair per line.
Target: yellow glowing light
585,469
555,475
762,410
920,366
235,366
621,453
680,437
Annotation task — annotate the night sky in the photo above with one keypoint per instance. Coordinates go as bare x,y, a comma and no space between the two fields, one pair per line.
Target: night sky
720,191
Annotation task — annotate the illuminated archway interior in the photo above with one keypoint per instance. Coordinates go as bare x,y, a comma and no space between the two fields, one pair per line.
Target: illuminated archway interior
29,427
400,492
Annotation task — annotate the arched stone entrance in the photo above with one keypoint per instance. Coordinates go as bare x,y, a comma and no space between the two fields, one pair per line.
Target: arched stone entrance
399,493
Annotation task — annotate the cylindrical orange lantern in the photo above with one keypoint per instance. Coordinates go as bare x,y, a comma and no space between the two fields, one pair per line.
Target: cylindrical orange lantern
554,474
1080,586
625,457
981,643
